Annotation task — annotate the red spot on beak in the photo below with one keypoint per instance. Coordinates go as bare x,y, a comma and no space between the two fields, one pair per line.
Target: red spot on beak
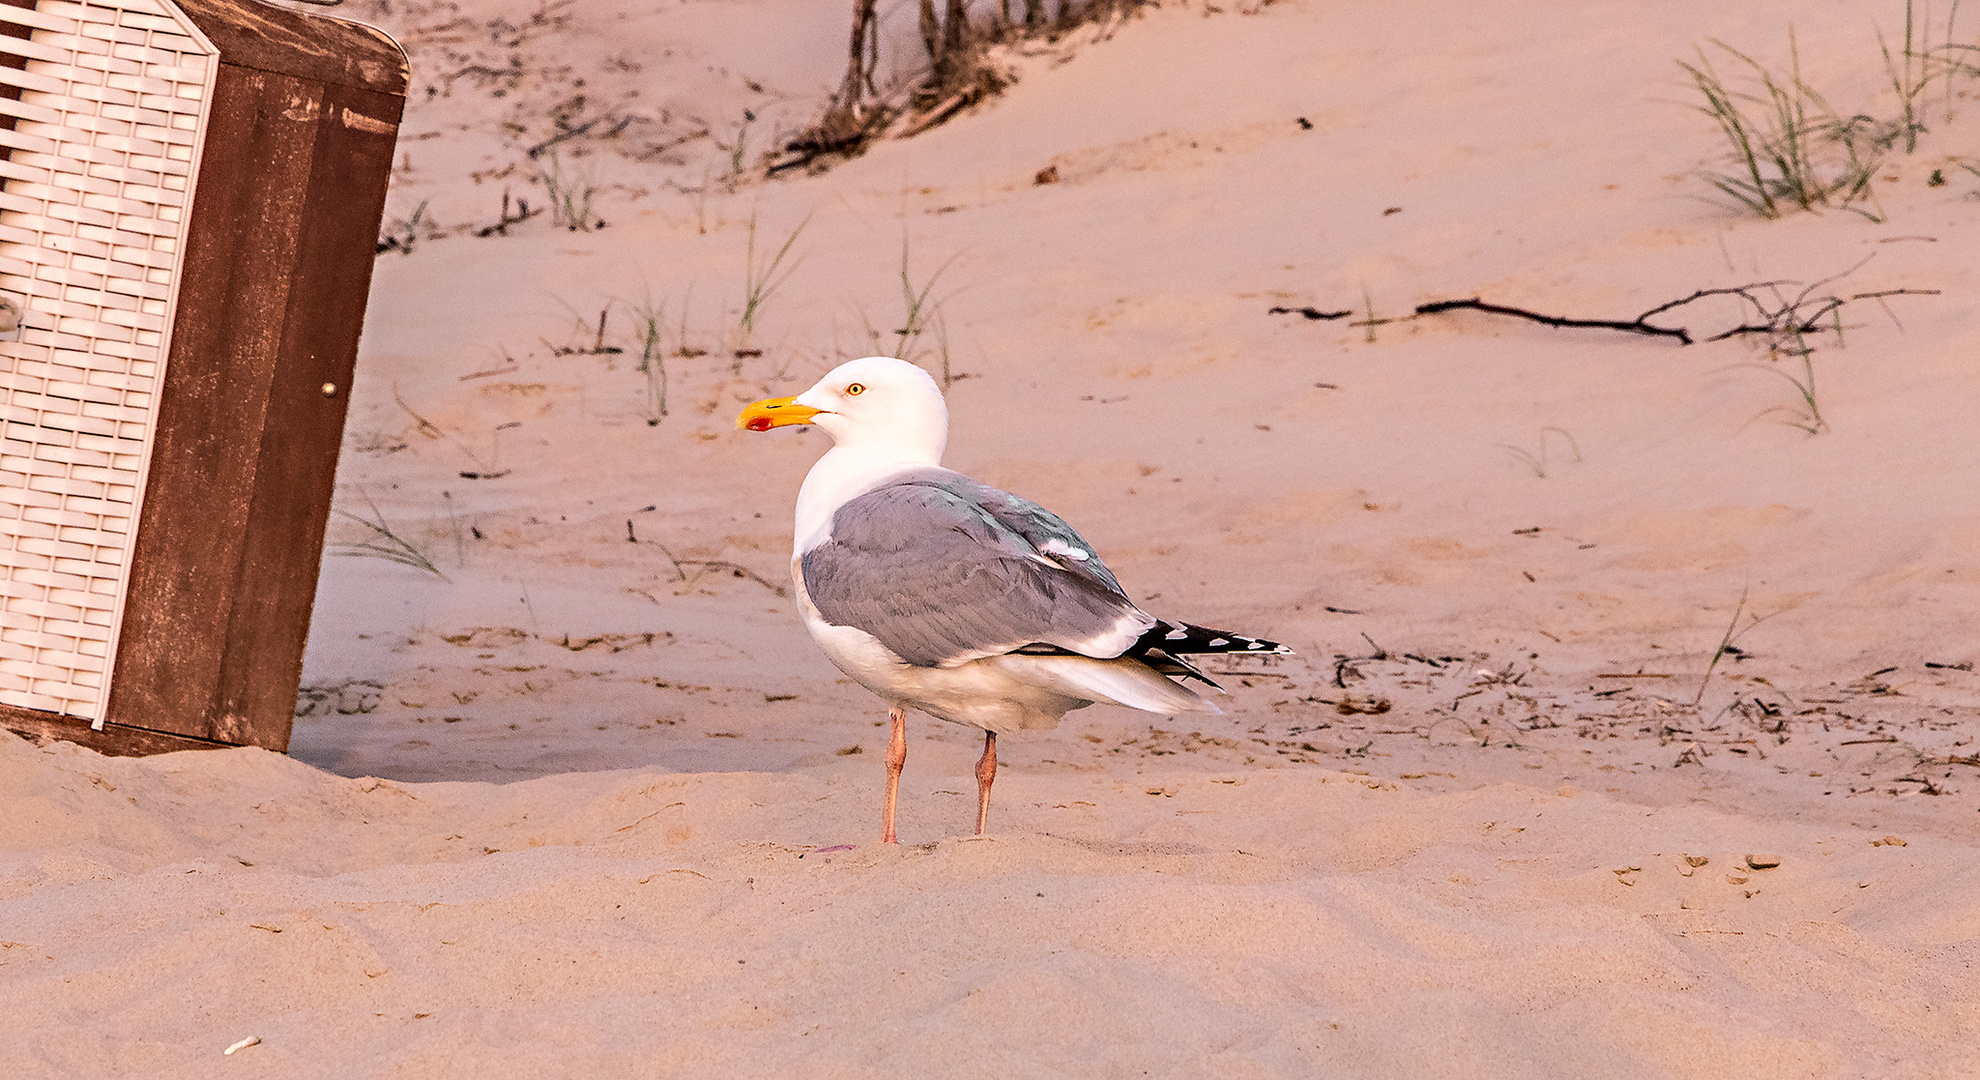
759,423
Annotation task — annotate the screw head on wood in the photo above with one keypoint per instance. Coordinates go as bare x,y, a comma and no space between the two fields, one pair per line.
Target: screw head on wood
329,389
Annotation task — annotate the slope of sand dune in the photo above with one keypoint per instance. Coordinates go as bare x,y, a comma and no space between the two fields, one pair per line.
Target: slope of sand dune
1230,922
1632,727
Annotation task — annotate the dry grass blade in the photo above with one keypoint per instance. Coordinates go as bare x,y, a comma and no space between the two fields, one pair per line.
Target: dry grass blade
737,570
385,544
1538,463
1733,633
571,197
1751,189
762,282
1725,643
919,309
1911,71
653,359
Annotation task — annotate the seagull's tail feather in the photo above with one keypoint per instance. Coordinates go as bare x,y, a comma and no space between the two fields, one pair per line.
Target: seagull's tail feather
1123,681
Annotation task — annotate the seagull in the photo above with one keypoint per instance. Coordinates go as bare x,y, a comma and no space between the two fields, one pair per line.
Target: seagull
943,594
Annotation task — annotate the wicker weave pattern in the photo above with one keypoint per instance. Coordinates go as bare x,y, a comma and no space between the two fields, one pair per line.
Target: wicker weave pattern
94,197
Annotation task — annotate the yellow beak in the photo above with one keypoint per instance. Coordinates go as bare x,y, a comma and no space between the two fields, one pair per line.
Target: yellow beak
775,412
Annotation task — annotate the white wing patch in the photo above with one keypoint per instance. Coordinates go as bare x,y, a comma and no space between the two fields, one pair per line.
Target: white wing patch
1062,549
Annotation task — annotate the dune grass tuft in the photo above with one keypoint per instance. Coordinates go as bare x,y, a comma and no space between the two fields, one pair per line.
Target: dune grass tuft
1787,147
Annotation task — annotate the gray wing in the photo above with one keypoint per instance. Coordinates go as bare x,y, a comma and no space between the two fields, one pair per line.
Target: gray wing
942,569
1046,532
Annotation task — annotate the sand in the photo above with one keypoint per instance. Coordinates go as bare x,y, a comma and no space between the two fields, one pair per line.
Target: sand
585,801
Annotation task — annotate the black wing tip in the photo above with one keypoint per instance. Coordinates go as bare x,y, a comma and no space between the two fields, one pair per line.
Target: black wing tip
1178,638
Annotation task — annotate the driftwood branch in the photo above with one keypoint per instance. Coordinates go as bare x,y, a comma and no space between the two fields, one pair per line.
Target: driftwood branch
1634,326
1772,312
964,66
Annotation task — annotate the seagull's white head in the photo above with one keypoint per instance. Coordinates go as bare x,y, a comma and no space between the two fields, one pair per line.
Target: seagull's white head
876,404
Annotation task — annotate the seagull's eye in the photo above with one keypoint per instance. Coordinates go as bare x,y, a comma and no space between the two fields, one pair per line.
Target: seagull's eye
855,389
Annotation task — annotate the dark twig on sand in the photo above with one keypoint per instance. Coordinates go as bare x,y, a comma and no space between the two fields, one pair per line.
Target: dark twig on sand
1311,312
623,123
520,214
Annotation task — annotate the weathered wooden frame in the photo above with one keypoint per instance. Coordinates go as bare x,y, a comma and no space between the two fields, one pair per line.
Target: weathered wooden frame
290,190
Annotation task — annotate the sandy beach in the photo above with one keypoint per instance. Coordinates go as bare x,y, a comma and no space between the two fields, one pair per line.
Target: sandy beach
1632,727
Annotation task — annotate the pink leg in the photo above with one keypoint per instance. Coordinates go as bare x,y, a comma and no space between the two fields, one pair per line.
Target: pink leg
896,757
986,773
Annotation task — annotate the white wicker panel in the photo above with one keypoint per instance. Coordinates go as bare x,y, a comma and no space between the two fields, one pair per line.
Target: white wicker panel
94,197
